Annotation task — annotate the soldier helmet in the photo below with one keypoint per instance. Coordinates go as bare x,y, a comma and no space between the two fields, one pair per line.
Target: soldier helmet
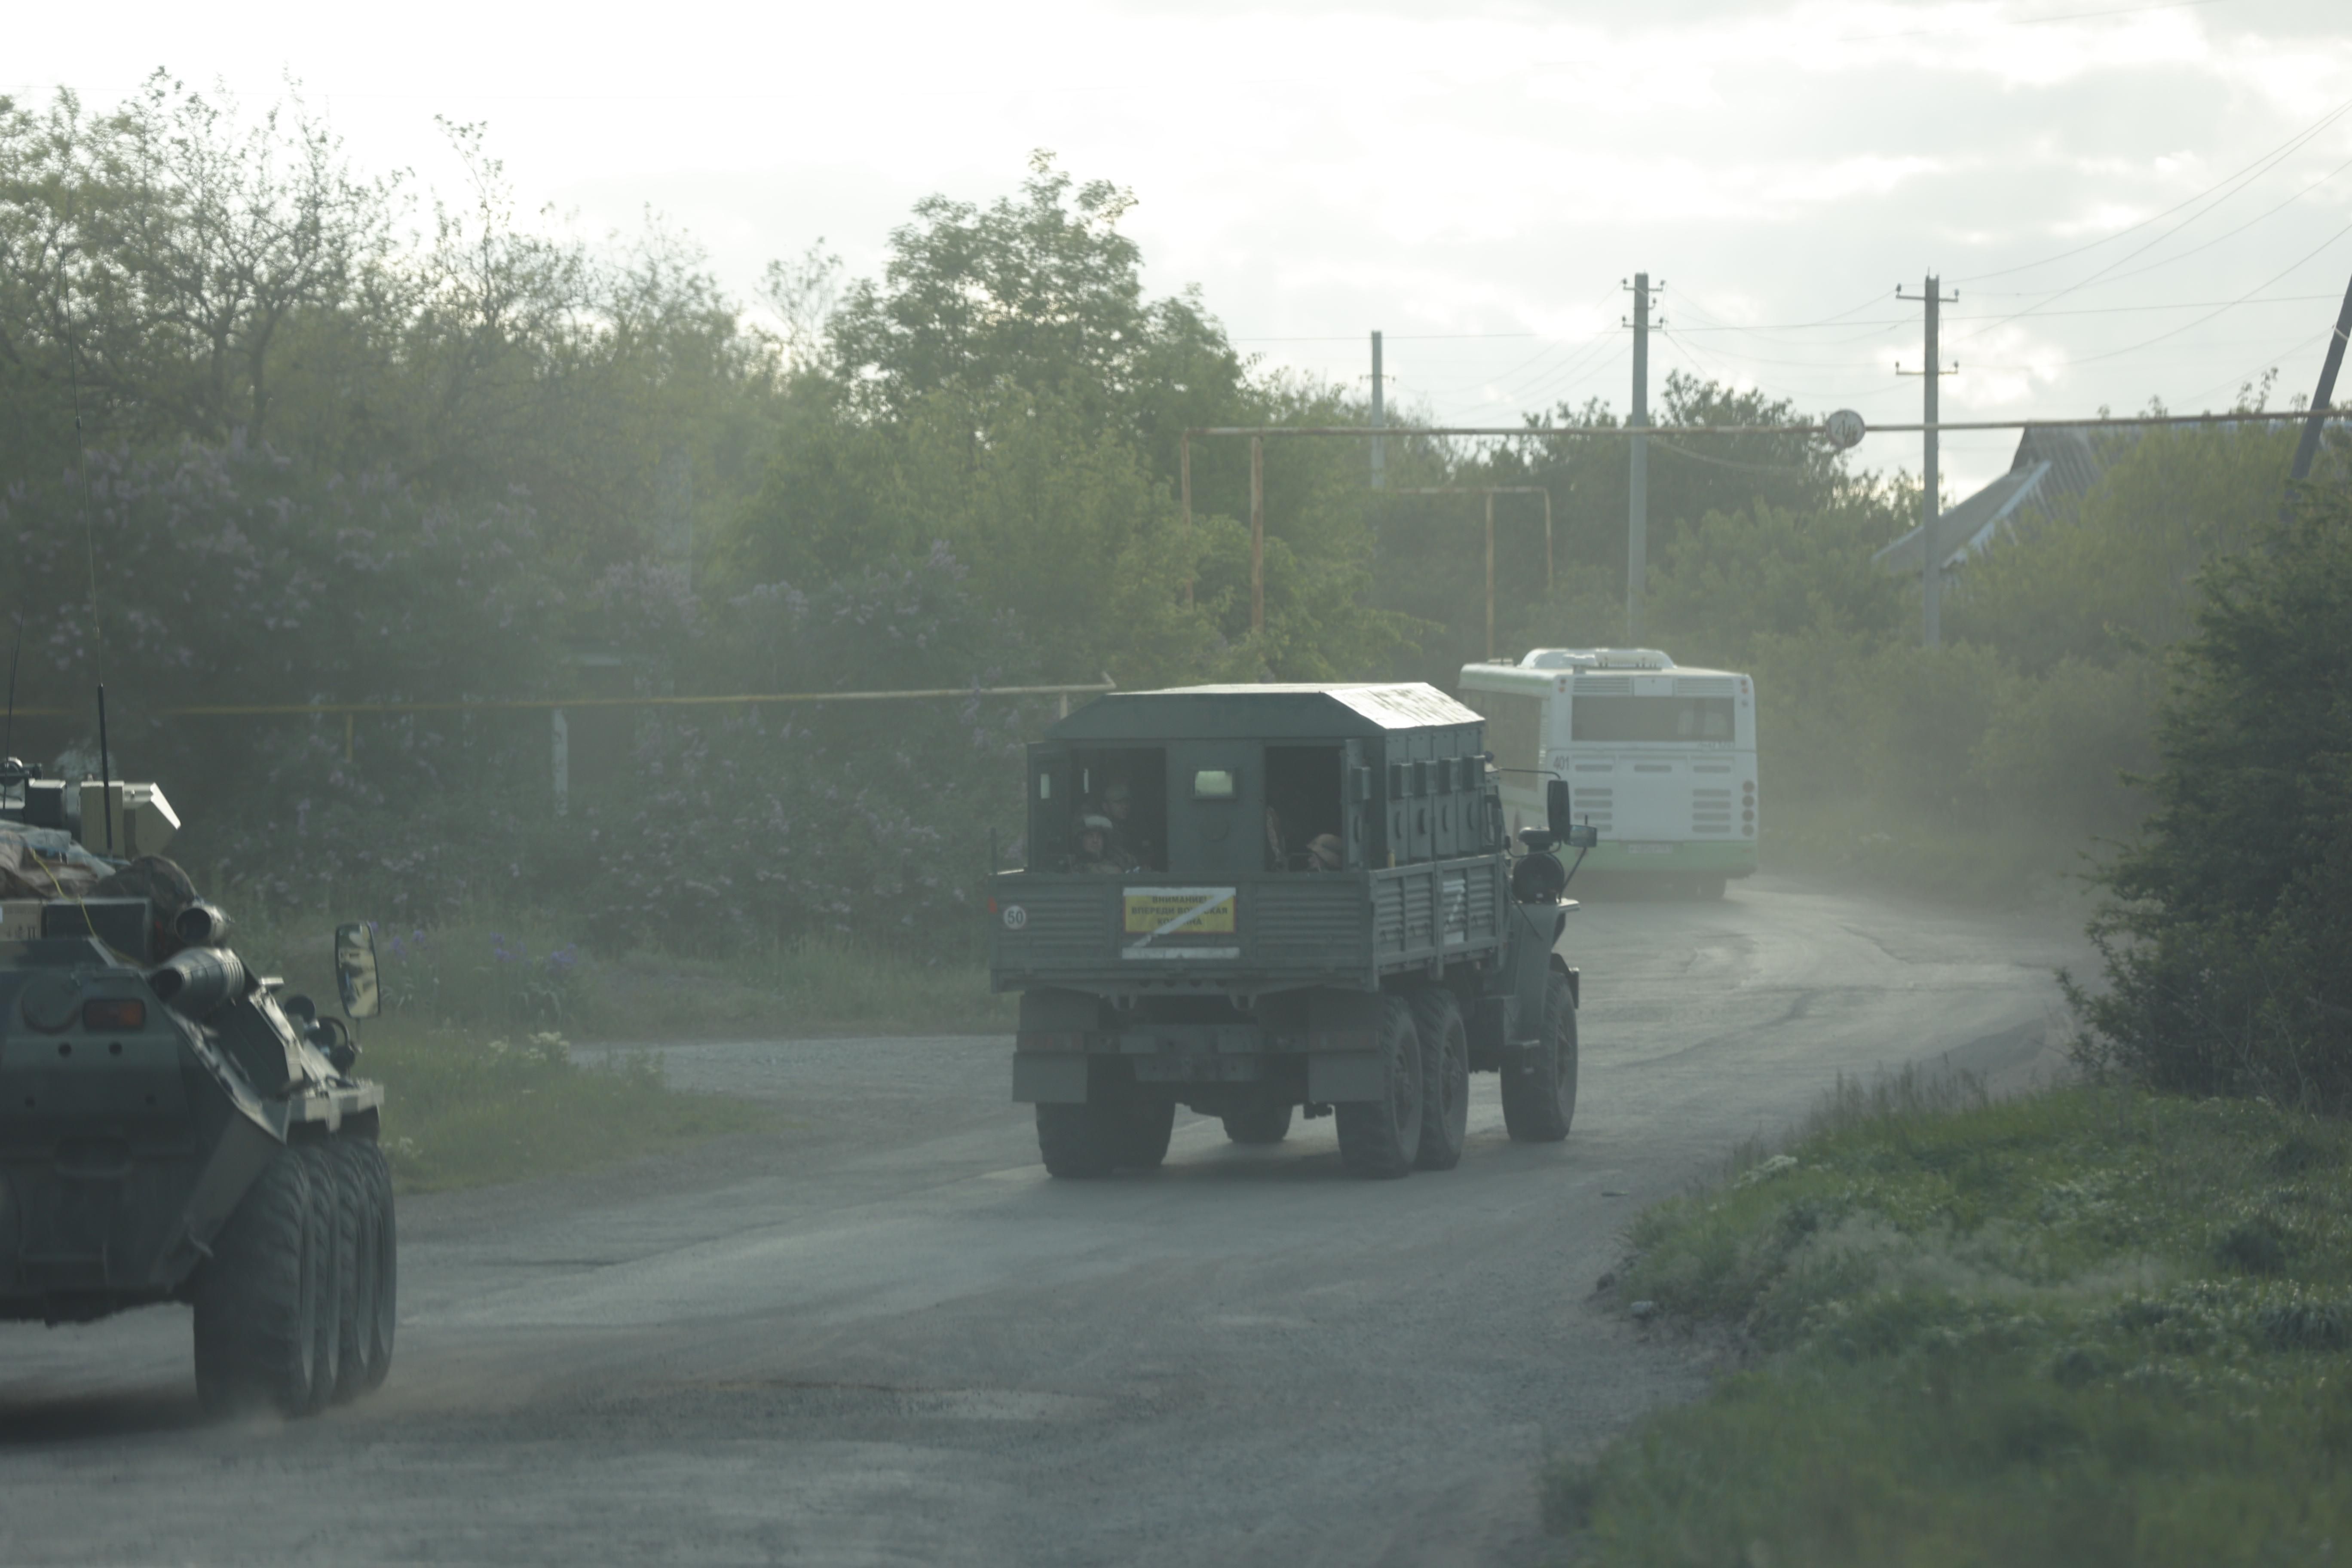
1094,822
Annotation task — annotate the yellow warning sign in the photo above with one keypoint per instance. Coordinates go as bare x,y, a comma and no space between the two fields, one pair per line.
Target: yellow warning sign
1179,911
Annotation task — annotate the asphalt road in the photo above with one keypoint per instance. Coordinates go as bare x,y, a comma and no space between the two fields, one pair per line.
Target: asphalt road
882,1336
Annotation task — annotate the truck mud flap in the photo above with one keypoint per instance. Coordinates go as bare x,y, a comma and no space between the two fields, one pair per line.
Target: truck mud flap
1336,1076
1049,1080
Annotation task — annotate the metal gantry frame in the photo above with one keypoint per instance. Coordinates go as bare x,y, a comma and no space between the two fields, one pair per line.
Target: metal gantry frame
1490,492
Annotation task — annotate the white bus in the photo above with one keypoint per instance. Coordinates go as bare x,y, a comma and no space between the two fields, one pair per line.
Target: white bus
1661,759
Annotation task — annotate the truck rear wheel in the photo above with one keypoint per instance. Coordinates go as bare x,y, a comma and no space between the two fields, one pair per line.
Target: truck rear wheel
1077,1141
1381,1138
1259,1124
1145,1126
259,1297
1540,1088
1446,1078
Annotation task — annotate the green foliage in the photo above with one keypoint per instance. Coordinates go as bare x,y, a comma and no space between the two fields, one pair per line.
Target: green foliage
466,1110
2116,575
2228,932
2091,1326
1006,392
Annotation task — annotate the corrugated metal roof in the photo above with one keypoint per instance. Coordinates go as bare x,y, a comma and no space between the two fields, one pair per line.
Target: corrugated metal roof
2054,465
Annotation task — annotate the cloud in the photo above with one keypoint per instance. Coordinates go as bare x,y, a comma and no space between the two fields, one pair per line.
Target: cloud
1325,168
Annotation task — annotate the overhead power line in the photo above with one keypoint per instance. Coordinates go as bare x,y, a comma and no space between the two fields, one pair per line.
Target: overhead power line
2258,165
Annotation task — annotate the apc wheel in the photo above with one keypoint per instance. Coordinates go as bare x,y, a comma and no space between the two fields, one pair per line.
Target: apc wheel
1540,1089
1711,887
364,1346
1259,1124
1076,1142
331,1274
1146,1123
1381,1138
259,1297
1444,1080
384,1322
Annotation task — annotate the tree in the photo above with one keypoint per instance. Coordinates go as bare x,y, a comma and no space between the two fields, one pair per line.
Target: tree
1006,390
2227,933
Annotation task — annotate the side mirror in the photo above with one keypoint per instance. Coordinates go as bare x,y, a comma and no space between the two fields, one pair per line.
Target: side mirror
355,970
1555,807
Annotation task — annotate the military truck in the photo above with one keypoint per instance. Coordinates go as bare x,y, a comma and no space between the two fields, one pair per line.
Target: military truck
176,1127
1252,899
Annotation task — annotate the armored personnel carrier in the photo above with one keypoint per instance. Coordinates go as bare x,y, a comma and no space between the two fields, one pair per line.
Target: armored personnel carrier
173,1126
1252,899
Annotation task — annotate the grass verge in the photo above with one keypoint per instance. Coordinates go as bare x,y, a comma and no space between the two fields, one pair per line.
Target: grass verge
2088,1327
463,1108
519,972
490,1090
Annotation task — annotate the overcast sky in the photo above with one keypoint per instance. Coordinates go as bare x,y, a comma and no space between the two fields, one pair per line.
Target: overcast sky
2132,200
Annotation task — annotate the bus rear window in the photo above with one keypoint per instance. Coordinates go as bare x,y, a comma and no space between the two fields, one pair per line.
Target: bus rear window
1667,719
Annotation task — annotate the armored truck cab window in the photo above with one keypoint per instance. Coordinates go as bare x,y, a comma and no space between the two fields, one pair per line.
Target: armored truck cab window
1126,785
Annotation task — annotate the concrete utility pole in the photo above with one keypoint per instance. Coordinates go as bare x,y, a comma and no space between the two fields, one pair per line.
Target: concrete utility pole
2308,448
1258,533
1380,417
1490,576
1637,490
1931,565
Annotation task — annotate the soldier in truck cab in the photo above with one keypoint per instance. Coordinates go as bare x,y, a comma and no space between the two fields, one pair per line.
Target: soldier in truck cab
1126,841
1096,852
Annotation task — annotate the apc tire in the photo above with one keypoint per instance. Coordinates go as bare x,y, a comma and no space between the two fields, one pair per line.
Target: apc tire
1260,1124
1380,1138
1711,887
1446,1078
1540,1089
362,1340
385,1319
257,1298
331,1275
1146,1123
1078,1143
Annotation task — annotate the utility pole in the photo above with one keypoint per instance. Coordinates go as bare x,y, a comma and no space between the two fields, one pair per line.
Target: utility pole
1490,576
2308,448
1637,490
1258,533
1931,565
1380,417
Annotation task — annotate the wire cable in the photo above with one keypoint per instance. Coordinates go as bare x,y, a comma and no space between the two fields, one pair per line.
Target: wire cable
2187,326
2258,165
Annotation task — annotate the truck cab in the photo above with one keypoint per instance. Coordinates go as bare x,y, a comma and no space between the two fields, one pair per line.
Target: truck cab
1250,899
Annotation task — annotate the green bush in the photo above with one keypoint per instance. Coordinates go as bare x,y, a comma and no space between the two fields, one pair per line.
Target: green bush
2227,933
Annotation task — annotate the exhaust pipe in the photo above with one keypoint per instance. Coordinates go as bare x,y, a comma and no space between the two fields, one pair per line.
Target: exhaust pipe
198,981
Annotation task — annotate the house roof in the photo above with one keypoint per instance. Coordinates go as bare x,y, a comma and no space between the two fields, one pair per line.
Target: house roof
2054,464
